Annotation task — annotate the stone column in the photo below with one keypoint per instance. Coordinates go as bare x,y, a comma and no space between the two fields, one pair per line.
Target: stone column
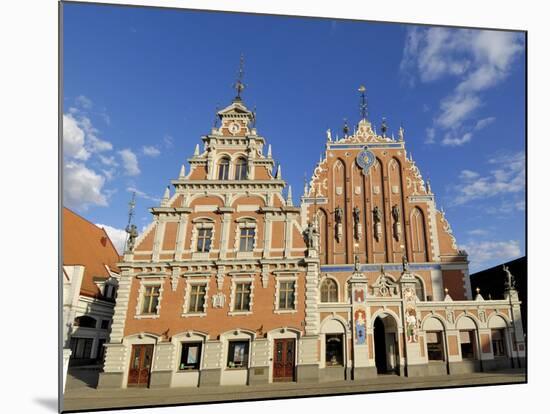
415,362
224,235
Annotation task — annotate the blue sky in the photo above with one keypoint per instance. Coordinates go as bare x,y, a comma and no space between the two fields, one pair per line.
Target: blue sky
141,86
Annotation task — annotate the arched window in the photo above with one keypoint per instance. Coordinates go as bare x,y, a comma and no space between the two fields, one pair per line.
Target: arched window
329,291
223,169
85,322
419,288
240,169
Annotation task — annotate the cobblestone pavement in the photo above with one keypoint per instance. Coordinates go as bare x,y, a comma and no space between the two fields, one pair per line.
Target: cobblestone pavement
81,396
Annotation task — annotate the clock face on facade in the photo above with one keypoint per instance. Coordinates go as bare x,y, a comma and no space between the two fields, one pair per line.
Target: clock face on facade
234,128
365,159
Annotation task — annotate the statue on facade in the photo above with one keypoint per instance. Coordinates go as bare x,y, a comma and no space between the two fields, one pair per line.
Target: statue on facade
396,213
329,135
405,263
510,281
357,223
377,215
132,236
338,214
356,215
310,236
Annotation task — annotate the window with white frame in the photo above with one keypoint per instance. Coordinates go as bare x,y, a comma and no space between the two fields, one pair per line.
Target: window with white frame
150,299
190,355
197,296
246,242
223,169
240,169
242,297
204,239
237,354
287,291
329,291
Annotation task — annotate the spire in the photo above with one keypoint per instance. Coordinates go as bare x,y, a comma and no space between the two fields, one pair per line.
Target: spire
182,171
269,151
305,185
289,196
166,196
239,85
363,103
278,174
196,153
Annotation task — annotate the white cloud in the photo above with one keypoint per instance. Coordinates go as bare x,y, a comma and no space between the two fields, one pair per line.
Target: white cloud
117,236
130,162
509,178
84,102
168,141
151,151
485,253
477,59
95,144
430,136
143,194
478,232
482,123
452,140
82,186
73,139
108,160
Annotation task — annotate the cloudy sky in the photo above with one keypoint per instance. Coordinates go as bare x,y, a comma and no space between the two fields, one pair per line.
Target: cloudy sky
142,85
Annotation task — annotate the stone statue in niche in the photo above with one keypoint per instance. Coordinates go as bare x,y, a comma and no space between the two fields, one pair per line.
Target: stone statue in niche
339,216
377,218
510,280
360,326
358,230
396,214
412,324
311,237
405,263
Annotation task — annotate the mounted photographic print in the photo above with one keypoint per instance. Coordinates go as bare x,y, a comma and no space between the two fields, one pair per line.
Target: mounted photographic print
261,206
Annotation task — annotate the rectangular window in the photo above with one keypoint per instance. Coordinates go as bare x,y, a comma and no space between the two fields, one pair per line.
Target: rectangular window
204,240
196,298
286,295
247,240
497,339
150,299
467,344
237,356
435,346
190,355
242,297
81,348
334,350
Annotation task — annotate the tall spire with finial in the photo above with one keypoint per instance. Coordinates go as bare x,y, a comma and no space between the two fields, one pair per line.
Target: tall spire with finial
239,85
363,102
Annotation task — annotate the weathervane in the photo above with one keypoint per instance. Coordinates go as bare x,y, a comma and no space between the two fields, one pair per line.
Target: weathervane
363,104
239,85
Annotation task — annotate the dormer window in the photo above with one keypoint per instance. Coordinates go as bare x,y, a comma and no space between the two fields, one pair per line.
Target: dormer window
223,169
241,169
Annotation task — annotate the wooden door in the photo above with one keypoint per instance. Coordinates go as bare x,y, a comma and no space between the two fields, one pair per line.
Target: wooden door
283,359
140,365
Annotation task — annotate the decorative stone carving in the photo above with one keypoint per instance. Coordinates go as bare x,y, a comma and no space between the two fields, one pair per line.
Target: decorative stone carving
481,315
384,286
339,216
449,315
376,189
220,276
311,237
175,278
396,214
132,236
218,300
377,218
339,190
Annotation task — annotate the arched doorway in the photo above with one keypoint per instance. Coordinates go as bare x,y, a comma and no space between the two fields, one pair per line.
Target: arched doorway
386,353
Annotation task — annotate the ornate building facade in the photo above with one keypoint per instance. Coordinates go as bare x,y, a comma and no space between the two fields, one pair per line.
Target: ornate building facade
233,284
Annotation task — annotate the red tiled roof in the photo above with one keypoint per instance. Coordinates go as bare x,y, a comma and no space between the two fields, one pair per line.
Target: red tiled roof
86,244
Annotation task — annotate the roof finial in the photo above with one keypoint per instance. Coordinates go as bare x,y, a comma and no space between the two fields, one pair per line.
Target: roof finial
166,197
182,171
196,153
289,196
269,151
305,185
239,85
278,174
363,103
132,205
